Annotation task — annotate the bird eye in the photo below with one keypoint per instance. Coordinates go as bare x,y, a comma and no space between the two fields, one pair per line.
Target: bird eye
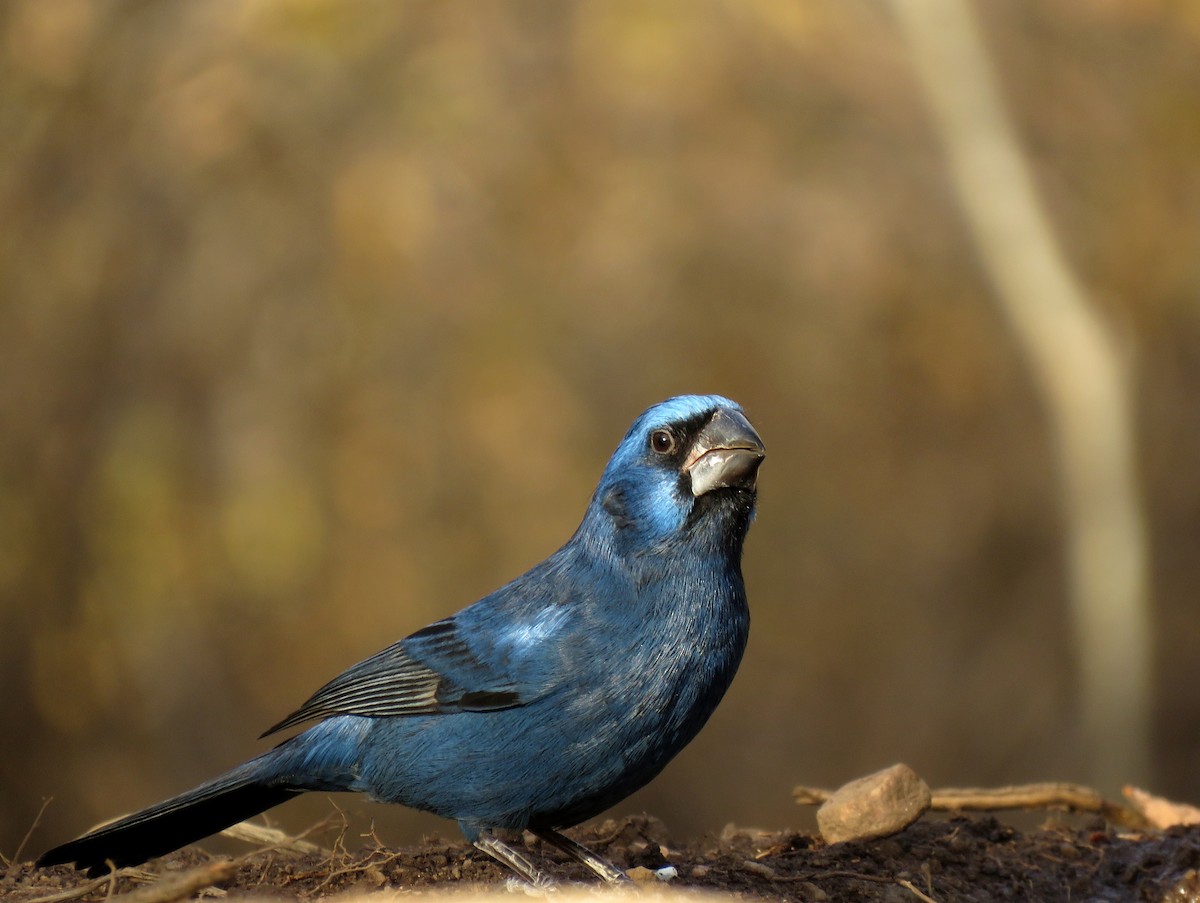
662,442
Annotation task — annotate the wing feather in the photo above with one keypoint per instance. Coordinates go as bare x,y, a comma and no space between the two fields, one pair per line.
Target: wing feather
431,671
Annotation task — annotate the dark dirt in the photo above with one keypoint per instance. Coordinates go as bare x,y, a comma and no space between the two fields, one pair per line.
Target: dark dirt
959,859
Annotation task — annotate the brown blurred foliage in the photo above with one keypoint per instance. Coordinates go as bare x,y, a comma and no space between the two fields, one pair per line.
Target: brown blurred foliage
318,320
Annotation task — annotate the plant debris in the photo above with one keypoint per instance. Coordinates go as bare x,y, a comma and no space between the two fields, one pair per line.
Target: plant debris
958,858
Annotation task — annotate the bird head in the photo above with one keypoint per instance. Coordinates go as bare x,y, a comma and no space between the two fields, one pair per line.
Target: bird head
687,466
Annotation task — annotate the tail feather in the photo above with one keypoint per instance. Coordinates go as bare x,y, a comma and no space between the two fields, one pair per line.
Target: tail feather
207,809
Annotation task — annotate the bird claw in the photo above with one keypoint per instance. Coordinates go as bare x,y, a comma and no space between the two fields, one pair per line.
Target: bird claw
540,886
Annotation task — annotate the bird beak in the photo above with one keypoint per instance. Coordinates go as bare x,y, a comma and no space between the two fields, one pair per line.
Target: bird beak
726,453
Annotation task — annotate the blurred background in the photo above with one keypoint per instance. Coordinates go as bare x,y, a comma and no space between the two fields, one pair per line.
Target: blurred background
318,320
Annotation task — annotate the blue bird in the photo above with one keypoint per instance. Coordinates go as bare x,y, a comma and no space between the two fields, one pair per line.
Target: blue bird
548,700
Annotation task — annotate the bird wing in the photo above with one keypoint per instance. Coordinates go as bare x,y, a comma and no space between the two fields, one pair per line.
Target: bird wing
432,671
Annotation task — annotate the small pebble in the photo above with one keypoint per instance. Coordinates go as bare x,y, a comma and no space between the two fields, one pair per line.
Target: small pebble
875,806
757,868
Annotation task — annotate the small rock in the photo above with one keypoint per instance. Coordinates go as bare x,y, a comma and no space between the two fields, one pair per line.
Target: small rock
812,893
641,874
757,868
875,806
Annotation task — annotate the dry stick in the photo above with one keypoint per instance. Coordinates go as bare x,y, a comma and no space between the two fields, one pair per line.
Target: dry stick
1049,795
834,874
74,893
15,861
270,837
859,876
87,887
364,867
184,884
165,890
289,843
908,885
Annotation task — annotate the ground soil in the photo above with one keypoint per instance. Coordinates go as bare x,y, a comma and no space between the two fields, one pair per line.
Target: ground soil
959,859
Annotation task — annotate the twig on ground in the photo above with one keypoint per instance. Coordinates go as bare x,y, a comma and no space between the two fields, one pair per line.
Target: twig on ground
73,893
1159,812
371,864
920,895
271,837
1073,797
82,890
171,887
835,873
183,884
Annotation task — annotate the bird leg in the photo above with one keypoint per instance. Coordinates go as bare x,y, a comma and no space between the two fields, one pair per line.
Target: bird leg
514,859
578,851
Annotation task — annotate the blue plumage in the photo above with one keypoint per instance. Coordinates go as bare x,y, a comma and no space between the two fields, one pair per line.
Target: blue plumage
548,700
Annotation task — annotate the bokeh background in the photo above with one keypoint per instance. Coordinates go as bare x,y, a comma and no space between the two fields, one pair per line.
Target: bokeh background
318,320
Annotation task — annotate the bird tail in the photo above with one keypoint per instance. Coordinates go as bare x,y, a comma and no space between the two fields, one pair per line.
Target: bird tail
169,825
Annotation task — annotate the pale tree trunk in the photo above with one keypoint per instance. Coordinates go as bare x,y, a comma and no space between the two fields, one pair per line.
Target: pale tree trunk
1078,368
